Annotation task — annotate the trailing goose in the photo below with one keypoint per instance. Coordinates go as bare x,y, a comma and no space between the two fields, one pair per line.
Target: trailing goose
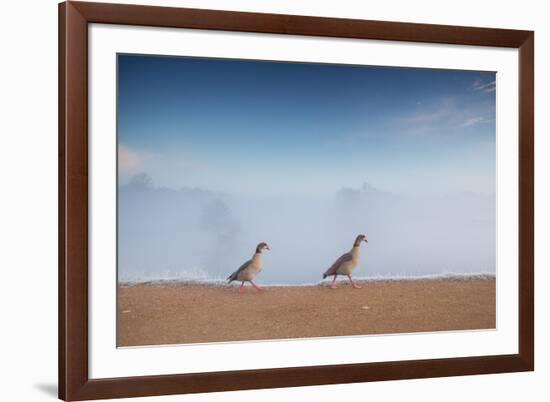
346,263
248,271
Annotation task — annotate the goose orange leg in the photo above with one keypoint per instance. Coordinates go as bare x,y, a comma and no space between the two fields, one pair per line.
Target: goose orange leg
256,286
241,288
356,286
332,284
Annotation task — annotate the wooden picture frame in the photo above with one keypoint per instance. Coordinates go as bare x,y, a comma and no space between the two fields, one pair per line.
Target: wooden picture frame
74,381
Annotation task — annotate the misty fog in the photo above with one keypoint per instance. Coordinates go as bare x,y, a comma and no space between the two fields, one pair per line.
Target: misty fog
197,234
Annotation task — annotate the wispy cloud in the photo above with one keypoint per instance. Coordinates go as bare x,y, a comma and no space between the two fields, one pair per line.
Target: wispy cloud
479,85
437,113
476,120
442,116
446,116
131,161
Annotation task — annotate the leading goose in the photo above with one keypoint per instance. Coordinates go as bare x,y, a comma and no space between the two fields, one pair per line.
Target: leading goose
248,271
346,263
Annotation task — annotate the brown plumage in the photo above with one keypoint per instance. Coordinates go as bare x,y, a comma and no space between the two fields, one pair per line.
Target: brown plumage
347,262
248,271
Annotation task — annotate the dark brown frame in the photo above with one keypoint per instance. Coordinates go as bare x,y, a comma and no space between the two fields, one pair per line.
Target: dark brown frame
74,383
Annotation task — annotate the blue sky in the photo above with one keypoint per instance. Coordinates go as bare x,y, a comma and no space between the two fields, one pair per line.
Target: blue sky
274,128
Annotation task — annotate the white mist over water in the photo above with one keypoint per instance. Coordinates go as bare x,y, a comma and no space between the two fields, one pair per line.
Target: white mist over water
199,235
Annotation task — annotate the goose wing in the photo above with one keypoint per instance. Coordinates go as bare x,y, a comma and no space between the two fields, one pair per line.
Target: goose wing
334,267
235,274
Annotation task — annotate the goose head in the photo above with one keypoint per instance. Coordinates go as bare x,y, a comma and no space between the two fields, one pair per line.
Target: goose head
262,246
360,238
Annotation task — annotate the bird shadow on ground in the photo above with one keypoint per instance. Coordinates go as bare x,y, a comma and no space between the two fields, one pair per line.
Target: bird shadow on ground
48,389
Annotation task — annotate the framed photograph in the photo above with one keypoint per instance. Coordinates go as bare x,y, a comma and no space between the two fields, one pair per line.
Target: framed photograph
259,200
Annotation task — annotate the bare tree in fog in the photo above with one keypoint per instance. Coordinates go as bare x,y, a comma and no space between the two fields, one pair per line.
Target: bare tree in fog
140,182
222,225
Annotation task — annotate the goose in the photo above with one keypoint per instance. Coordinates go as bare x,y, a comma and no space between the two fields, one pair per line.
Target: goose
248,271
346,263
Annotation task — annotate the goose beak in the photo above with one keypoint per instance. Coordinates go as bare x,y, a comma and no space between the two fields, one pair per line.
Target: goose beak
365,240
267,247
